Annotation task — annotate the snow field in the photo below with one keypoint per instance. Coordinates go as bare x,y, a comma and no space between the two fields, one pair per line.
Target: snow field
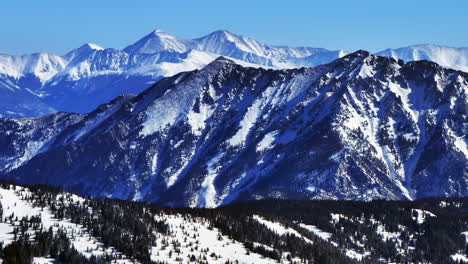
81,239
196,237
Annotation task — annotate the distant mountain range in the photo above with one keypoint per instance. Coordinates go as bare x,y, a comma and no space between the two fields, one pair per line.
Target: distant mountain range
455,58
361,127
79,81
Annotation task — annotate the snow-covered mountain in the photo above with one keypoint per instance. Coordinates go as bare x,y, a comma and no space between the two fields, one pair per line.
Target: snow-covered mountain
362,127
157,41
225,43
84,78
456,58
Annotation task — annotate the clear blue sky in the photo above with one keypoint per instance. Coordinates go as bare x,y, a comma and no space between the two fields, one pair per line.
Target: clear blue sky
59,26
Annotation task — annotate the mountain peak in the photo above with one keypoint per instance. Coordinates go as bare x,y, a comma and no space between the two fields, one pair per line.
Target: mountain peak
219,63
360,53
222,32
86,48
221,35
222,59
91,46
157,41
159,33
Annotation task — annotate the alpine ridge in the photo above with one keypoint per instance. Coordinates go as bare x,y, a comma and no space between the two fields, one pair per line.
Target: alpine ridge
84,78
361,127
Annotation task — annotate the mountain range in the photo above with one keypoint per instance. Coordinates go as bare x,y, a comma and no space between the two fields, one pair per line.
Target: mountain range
362,127
79,81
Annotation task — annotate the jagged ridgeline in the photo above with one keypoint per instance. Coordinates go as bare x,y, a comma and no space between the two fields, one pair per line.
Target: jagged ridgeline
42,224
362,127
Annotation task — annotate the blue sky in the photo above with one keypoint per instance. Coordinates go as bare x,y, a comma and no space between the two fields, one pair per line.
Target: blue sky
59,26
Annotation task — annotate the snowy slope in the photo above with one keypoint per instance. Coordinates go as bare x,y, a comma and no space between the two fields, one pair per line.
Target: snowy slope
198,232
188,238
43,66
157,41
13,202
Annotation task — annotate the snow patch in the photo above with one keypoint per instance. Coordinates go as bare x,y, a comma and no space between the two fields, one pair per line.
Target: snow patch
421,215
267,141
280,229
323,235
207,195
81,239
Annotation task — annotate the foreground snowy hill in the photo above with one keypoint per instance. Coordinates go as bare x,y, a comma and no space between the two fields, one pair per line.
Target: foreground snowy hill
46,226
37,84
40,224
362,127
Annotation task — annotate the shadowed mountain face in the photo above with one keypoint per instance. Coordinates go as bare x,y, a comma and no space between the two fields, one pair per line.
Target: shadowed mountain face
361,127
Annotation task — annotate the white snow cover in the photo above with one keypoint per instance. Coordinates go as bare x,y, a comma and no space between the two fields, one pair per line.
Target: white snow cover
94,46
280,229
207,195
229,44
166,110
189,232
267,141
460,257
247,123
81,239
460,142
194,60
421,215
42,260
323,235
274,96
33,148
184,230
355,255
157,41
42,65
